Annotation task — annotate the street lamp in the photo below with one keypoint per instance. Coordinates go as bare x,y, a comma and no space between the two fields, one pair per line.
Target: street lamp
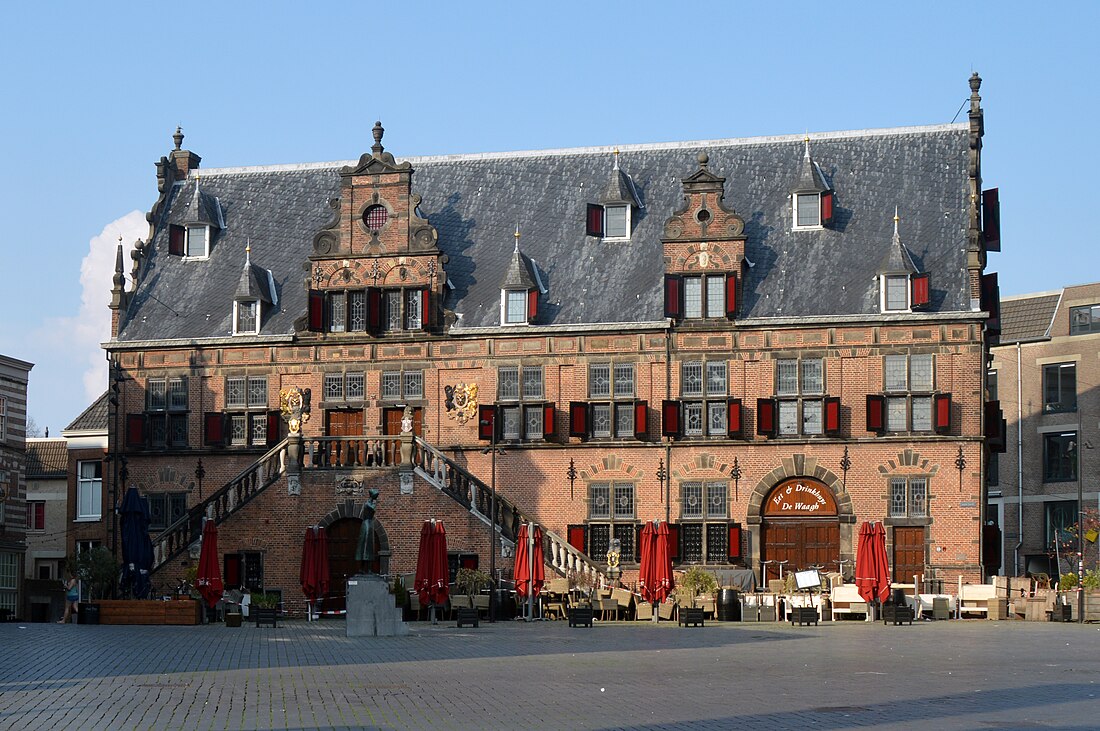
492,450
200,472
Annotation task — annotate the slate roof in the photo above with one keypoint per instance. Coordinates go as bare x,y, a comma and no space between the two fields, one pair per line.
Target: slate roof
1028,317
475,201
93,418
47,458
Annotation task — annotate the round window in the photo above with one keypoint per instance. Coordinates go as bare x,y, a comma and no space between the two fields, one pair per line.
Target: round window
375,217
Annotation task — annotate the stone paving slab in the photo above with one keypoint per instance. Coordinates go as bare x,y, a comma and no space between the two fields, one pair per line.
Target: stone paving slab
944,675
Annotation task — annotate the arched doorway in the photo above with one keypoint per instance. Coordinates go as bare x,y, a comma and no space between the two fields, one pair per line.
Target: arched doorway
800,526
343,538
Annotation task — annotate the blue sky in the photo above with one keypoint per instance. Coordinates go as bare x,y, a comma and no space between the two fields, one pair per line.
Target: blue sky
93,91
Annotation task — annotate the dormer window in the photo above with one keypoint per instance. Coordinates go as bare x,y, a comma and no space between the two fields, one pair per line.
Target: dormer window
616,222
514,306
519,290
610,218
246,317
811,198
198,238
807,210
895,292
902,288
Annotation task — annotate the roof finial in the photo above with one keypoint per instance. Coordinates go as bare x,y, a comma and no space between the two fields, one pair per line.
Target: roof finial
806,141
897,236
975,99
516,234
615,152
378,131
178,137
703,159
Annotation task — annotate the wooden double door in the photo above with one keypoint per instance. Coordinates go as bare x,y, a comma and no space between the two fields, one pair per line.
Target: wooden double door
909,552
803,544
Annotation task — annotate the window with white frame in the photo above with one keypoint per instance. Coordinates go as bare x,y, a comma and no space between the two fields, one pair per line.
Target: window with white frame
800,392
344,387
246,317
703,390
895,292
616,222
705,296
89,490
908,497
402,385
520,395
611,514
198,241
246,402
807,210
166,411
515,306
614,382
909,382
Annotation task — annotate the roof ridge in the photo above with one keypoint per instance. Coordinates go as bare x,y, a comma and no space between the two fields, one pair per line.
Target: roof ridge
604,149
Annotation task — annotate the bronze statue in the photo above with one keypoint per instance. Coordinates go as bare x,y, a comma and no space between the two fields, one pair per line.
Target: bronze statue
364,551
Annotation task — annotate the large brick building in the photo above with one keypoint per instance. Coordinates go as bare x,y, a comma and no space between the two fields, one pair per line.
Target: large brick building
763,341
14,375
1044,374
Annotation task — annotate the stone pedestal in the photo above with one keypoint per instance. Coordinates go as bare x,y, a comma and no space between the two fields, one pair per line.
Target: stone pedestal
371,610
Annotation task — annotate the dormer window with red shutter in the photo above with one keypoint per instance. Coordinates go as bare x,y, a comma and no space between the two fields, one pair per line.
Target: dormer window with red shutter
703,296
612,218
902,287
193,224
811,197
520,290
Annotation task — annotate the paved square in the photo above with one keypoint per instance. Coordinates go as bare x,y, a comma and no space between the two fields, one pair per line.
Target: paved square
947,675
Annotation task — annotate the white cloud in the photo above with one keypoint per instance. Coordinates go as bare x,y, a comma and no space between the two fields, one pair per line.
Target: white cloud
82,334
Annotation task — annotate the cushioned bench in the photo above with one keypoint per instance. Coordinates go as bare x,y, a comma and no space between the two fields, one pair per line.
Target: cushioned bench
976,598
845,600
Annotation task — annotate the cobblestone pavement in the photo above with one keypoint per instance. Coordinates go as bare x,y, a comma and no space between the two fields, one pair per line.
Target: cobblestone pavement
947,675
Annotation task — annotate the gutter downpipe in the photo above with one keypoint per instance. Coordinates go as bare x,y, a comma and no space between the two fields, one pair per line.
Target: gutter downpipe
1019,462
668,440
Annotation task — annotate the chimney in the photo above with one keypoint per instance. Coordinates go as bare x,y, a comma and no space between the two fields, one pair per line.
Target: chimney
183,161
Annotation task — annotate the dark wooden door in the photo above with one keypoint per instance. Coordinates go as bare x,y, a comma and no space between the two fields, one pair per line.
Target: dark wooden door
908,553
343,537
391,421
344,423
801,543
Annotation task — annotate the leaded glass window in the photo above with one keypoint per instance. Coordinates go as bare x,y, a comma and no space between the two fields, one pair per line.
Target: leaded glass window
922,413
601,420
813,381
337,312
811,417
896,414
413,309
238,429
691,494
414,384
716,296
716,379
334,387
354,386
918,497
693,297
357,311
624,420
787,381
234,392
515,306
257,392
920,372
510,422
895,372
788,418
393,309
508,383
533,422
693,419
624,499
246,316
177,394
599,501
599,380
716,499
391,385
897,497
691,378
624,379
258,428
717,542
716,417
532,382
897,292
615,222
155,391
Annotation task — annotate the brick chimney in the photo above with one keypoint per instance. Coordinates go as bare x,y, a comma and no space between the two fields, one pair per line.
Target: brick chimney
183,161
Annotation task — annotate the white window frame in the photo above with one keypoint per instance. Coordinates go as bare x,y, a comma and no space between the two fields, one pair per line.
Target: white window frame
705,282
205,242
237,305
910,393
94,487
505,315
884,280
627,207
791,404
794,210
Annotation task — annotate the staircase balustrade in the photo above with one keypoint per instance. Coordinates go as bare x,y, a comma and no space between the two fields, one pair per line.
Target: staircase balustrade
326,453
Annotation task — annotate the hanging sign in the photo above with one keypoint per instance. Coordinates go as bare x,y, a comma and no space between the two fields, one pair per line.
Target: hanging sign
802,497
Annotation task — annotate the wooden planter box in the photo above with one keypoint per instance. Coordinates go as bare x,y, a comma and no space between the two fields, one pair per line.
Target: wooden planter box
265,615
232,619
691,616
1092,606
580,617
137,611
804,615
467,616
897,613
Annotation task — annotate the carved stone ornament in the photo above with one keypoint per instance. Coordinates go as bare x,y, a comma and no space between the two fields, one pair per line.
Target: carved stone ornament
348,487
294,406
461,403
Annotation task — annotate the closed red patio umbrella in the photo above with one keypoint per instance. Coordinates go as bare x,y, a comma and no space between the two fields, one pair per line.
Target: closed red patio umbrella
521,573
209,578
307,572
422,582
440,588
662,565
538,568
882,563
645,565
321,559
872,571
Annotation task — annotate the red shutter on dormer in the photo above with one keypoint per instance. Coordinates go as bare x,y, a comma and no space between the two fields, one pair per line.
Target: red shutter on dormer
594,220
576,535
135,430
876,412
641,419
316,308
919,290
273,422
532,304
374,309
766,417
991,301
731,296
826,208
941,404
548,413
578,419
670,418
486,421
425,308
735,543
991,219
674,296
213,428
733,418
832,416
176,237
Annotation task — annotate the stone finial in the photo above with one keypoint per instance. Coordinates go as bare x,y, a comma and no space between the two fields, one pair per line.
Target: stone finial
703,159
516,234
378,131
120,277
178,137
975,98
615,165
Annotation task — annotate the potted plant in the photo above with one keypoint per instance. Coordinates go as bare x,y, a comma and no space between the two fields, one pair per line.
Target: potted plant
401,598
264,607
696,583
470,582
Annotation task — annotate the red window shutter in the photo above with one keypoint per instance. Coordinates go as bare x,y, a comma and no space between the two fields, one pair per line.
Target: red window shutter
991,301
766,417
735,543
832,416
674,296
486,421
374,309
941,405
993,421
316,310
425,308
578,419
919,290
876,412
731,296
991,219
733,418
826,208
548,413
135,430
213,426
674,541
273,422
670,418
594,220
39,520
532,304
641,419
176,236
577,535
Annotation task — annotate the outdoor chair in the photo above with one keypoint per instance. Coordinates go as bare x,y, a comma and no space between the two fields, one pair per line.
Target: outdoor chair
481,604
607,607
625,601
643,610
458,601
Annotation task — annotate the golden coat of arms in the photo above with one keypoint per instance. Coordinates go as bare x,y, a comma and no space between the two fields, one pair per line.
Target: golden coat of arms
461,403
